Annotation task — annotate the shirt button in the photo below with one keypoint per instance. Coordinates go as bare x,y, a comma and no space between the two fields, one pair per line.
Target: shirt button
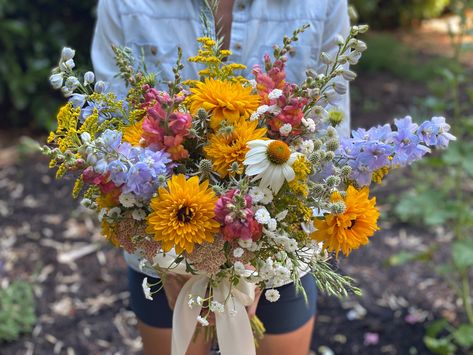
237,46
241,6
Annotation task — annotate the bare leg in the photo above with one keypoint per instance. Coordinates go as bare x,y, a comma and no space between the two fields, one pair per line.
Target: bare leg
294,343
157,341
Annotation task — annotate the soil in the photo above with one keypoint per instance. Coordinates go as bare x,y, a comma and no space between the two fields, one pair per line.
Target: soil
82,302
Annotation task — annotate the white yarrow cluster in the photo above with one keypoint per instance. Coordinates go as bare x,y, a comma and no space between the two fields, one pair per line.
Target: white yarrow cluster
275,94
309,124
285,129
272,295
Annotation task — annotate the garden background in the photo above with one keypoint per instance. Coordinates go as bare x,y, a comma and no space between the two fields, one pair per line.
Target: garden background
63,289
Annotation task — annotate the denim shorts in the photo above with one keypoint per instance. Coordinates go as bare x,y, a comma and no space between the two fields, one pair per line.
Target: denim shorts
289,313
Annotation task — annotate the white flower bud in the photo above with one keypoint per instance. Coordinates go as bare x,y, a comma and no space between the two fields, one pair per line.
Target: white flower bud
69,64
99,87
89,78
67,53
348,75
72,83
340,88
85,137
363,28
340,40
330,96
66,92
56,80
325,59
360,46
354,57
78,100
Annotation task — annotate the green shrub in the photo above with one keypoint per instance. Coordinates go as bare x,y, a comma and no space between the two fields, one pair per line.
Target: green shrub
32,34
17,310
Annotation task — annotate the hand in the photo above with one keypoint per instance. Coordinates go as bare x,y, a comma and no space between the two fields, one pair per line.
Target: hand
251,309
173,284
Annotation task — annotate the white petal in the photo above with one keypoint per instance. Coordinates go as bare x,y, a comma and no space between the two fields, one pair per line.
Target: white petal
289,173
257,168
292,158
258,143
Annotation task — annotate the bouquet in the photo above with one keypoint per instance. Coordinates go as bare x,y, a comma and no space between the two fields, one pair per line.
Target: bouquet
239,182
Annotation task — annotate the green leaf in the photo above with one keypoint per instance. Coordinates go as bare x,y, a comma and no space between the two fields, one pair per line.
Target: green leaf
462,254
442,346
404,257
464,335
433,329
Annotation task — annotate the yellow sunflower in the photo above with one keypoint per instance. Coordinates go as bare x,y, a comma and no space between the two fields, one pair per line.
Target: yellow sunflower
183,214
224,100
132,134
352,228
226,148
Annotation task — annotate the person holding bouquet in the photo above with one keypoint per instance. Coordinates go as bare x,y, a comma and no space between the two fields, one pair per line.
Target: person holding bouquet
153,29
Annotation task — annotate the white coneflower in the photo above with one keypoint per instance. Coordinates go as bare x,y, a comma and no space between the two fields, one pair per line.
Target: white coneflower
271,162
272,295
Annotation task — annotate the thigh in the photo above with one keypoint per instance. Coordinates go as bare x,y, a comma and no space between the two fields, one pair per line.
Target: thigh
295,343
291,311
289,322
155,319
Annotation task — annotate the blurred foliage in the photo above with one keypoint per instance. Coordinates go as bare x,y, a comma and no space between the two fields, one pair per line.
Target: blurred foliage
17,310
388,54
383,14
442,193
32,34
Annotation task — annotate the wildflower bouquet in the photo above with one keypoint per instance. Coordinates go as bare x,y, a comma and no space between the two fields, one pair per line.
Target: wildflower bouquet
238,182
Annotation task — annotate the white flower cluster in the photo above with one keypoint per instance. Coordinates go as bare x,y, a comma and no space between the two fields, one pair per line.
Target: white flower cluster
261,195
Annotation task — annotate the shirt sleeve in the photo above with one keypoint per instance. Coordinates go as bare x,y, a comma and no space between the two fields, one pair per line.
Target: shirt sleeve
337,23
108,32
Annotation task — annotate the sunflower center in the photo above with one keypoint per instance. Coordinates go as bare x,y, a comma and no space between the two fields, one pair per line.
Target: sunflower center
185,214
278,152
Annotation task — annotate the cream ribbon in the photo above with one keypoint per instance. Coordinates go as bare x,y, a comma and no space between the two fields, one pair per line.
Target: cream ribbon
234,333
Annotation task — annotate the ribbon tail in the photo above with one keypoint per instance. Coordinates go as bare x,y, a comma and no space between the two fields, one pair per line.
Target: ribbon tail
184,318
234,333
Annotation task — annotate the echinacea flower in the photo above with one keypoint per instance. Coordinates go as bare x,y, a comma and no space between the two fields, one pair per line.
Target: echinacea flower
183,214
352,228
271,161
225,100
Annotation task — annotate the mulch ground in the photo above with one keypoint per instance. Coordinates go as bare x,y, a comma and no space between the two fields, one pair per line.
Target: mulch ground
80,281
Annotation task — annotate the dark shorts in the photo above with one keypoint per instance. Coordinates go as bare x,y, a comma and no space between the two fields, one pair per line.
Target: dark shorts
289,313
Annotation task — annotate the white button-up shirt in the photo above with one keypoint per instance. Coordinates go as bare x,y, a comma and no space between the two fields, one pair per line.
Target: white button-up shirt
153,29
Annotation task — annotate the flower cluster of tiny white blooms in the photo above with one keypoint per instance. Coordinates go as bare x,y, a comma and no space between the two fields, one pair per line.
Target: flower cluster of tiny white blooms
307,147
146,289
262,216
216,307
239,268
261,195
275,94
138,214
203,321
309,124
245,243
285,129
272,295
238,252
127,200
